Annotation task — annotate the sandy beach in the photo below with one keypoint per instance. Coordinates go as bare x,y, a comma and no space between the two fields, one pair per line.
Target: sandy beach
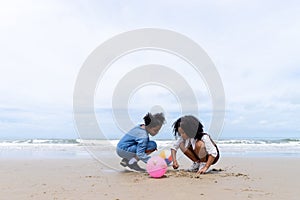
232,178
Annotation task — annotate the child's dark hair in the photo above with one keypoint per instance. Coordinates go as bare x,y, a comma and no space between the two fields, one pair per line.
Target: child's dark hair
157,119
190,125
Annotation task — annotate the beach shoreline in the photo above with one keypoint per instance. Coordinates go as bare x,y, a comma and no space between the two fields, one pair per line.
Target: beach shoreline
233,178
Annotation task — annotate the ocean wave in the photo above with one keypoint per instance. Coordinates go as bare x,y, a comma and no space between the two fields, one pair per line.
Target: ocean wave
260,141
240,147
41,141
292,141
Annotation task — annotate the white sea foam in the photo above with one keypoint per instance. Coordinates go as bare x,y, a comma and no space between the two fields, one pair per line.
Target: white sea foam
77,148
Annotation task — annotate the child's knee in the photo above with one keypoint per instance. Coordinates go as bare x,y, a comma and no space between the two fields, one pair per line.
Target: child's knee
151,145
199,145
200,149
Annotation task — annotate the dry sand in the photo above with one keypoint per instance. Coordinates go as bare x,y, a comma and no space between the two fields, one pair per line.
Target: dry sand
233,178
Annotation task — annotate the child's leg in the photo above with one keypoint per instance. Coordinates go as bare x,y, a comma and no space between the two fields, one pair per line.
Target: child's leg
127,153
189,152
130,152
200,151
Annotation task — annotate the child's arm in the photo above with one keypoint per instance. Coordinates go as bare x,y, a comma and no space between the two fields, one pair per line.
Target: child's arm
174,151
141,148
209,161
175,163
211,151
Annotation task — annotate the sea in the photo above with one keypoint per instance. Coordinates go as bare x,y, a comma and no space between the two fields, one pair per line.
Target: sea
77,148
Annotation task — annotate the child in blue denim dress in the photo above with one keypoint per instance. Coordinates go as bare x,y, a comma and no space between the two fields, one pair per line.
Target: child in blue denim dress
135,145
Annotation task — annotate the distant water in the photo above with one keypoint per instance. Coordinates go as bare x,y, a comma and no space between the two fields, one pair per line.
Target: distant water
288,147
76,148
42,148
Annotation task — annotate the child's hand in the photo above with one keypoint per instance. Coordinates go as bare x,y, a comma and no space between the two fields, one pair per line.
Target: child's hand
202,170
175,164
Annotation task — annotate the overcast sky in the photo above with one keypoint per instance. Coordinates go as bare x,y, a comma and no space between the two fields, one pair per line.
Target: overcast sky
254,45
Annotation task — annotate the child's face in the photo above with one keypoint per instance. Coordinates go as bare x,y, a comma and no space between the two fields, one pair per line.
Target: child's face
154,130
182,133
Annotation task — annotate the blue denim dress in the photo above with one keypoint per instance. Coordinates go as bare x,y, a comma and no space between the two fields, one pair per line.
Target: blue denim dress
135,143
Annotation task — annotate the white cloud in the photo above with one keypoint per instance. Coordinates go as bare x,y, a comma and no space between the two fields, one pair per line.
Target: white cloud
44,43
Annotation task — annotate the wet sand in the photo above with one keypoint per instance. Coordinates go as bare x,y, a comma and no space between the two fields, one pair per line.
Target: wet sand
231,178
